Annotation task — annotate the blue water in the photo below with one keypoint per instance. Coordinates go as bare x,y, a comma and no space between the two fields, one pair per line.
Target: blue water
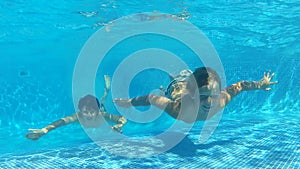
39,45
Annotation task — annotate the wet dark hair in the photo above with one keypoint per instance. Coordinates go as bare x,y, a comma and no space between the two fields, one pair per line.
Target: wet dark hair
203,75
89,101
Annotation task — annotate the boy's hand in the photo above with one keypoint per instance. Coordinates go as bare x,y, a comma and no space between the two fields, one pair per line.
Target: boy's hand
117,128
123,102
265,82
35,134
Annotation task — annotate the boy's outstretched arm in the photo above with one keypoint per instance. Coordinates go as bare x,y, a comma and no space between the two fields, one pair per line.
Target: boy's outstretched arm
233,90
120,120
35,134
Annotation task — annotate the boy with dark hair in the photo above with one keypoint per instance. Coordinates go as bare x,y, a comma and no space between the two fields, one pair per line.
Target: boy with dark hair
91,114
194,96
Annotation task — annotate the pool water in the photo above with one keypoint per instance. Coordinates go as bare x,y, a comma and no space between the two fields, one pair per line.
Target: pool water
41,41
